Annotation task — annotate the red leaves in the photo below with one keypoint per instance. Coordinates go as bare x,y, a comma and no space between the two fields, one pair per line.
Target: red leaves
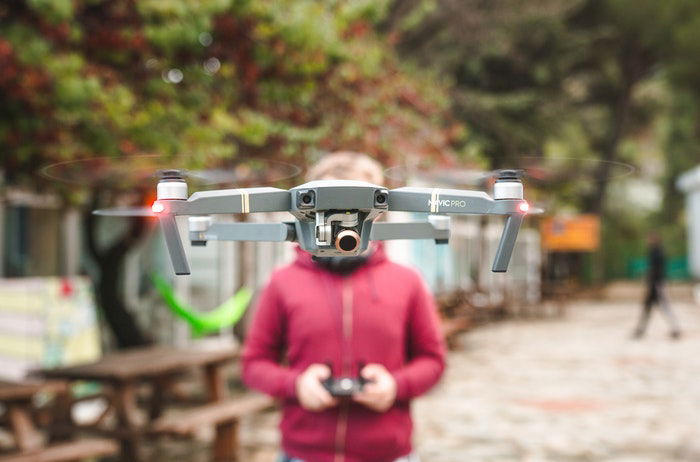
16,81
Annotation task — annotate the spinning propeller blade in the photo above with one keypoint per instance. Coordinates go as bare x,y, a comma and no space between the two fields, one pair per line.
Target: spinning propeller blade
125,212
127,173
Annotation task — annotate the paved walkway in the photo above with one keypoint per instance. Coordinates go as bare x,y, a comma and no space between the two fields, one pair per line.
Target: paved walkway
572,389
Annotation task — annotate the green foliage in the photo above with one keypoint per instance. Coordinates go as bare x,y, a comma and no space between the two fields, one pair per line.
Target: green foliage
599,79
208,80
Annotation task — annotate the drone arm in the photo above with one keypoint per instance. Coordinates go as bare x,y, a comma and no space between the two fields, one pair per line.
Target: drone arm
438,200
226,201
174,243
507,243
260,232
414,230
458,202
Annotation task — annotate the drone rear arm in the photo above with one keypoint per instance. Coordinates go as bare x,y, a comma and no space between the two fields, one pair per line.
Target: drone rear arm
256,232
458,202
413,230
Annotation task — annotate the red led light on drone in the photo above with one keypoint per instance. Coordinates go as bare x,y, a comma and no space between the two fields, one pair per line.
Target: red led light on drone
524,207
157,207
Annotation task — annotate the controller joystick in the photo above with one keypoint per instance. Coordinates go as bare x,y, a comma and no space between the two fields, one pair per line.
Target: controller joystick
345,386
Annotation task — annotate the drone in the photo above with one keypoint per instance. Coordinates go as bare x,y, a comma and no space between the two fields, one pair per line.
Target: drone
332,217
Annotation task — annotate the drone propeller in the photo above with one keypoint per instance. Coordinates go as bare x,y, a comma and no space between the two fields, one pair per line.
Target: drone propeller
543,172
549,171
137,171
171,174
125,212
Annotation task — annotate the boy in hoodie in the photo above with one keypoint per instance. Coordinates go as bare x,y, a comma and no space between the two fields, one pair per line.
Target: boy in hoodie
343,316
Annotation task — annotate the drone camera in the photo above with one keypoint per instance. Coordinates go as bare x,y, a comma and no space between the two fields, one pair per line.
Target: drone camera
306,199
381,199
347,241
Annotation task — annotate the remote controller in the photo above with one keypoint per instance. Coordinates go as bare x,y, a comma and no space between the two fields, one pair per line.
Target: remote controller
345,386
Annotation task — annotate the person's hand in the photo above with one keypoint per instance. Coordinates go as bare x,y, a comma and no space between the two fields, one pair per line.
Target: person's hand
310,391
379,393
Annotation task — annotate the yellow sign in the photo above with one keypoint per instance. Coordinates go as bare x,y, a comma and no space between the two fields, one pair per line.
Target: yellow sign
46,322
571,234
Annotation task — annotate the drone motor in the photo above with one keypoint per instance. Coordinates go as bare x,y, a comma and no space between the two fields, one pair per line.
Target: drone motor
508,185
172,185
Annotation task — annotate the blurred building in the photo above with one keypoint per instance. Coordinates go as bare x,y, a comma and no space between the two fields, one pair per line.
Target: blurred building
689,183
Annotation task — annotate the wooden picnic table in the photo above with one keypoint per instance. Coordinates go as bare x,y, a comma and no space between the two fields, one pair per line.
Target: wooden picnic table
17,398
123,372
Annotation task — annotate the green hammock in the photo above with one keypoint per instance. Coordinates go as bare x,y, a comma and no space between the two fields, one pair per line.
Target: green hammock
226,315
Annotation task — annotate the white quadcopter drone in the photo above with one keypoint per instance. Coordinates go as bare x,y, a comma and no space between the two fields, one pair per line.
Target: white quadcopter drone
333,217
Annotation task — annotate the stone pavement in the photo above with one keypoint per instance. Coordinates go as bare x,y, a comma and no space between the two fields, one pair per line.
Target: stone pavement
572,389
563,390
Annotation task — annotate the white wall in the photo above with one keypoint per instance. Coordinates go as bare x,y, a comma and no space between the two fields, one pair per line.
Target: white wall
689,183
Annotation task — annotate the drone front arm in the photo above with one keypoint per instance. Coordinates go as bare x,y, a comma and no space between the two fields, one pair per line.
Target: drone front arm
224,201
248,200
438,200
458,202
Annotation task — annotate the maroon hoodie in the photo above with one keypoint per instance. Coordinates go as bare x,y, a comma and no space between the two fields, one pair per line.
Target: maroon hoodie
380,313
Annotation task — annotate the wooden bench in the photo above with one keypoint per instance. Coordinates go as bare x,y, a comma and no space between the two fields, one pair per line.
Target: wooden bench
452,327
66,452
224,415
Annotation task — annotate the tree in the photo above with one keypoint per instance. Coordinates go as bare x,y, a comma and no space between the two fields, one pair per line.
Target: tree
584,78
504,59
202,82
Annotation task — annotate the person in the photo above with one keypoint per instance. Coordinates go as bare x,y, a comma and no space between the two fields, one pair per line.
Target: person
656,292
340,317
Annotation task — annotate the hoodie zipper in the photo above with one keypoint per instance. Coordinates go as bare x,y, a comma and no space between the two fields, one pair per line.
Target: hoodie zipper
346,368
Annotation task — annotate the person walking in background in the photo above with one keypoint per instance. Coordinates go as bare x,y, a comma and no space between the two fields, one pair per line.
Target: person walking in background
656,291
320,317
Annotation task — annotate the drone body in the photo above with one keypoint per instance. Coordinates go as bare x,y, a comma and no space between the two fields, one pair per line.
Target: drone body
333,217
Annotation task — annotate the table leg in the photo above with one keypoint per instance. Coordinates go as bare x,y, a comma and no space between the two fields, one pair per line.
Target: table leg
226,443
26,435
216,382
61,430
127,415
160,387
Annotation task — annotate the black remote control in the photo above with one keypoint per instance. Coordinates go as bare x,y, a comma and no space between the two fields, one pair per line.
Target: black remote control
345,386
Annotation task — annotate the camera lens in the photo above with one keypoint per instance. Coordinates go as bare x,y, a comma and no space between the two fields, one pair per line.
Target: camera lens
381,197
306,199
347,241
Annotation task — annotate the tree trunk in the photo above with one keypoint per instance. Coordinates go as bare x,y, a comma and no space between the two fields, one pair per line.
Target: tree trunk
109,297
621,110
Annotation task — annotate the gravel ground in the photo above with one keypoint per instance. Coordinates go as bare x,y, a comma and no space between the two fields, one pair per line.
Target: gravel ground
571,389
